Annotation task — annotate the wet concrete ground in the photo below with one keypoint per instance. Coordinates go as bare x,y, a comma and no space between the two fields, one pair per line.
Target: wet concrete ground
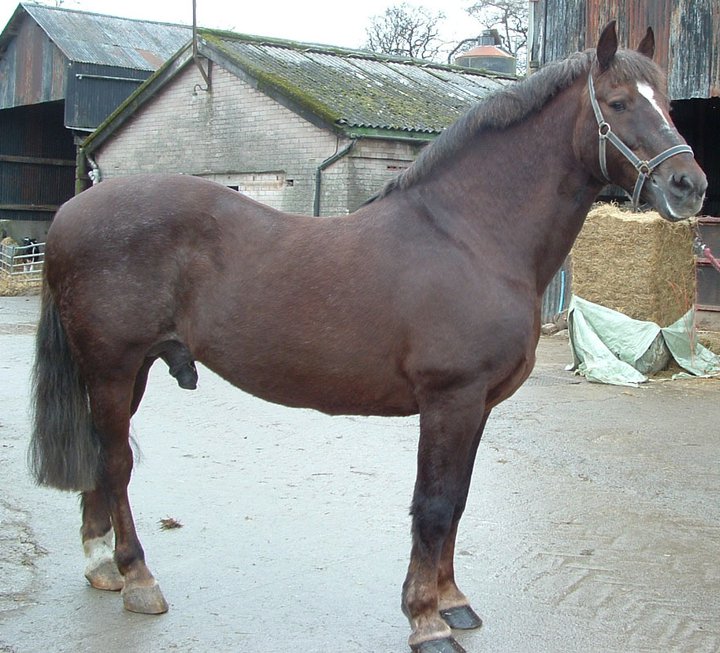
593,522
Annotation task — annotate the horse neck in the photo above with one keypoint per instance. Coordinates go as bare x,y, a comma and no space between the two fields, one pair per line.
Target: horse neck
522,188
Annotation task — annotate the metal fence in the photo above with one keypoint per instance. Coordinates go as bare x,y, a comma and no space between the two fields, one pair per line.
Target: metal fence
22,261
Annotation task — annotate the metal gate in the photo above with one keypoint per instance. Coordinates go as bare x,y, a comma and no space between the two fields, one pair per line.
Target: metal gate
23,262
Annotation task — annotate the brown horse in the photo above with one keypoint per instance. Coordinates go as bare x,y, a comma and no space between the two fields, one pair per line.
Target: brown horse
425,300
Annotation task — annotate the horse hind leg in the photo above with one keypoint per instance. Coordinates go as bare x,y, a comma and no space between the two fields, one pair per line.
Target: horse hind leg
110,405
101,570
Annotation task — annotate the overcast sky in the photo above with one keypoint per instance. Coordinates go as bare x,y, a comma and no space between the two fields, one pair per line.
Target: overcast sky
315,21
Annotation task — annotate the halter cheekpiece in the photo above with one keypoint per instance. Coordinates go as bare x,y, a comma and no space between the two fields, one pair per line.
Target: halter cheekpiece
644,168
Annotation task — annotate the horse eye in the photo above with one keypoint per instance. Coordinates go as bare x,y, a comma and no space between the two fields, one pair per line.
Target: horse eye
617,106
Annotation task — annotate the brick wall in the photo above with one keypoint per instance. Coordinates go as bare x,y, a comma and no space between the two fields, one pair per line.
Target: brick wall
242,138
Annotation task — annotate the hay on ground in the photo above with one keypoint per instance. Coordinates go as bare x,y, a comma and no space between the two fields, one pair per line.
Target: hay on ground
635,263
711,340
11,286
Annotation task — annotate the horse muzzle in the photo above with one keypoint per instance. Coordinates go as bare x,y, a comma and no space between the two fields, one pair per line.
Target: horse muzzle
678,193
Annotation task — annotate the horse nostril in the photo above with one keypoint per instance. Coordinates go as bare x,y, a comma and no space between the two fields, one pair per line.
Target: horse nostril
685,186
682,182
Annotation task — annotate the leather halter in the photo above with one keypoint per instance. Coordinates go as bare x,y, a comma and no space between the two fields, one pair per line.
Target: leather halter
644,168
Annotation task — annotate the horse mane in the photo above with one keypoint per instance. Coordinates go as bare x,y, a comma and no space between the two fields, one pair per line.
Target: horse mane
516,102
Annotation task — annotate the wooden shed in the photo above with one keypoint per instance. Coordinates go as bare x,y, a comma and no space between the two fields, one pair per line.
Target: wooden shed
302,127
62,72
687,38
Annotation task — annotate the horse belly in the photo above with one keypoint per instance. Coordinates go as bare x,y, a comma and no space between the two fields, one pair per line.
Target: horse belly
351,383
330,393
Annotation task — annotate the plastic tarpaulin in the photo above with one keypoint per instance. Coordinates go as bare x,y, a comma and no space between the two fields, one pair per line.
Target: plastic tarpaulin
609,347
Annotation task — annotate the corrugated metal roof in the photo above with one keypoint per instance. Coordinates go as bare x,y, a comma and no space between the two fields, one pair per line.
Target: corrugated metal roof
355,88
108,40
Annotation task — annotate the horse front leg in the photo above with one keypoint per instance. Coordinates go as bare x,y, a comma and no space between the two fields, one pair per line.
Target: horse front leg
449,432
111,407
453,604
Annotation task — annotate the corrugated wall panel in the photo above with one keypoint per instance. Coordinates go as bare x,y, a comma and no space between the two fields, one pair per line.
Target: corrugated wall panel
7,77
695,48
94,92
37,161
559,29
35,183
32,68
35,131
687,36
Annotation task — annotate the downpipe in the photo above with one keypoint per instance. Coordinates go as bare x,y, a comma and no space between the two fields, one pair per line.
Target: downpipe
324,166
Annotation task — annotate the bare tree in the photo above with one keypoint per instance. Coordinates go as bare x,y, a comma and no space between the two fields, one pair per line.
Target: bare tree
406,30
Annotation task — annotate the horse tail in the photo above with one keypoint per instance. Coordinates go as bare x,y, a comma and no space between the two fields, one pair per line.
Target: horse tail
64,449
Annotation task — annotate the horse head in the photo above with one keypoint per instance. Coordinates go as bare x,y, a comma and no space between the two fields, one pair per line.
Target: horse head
625,135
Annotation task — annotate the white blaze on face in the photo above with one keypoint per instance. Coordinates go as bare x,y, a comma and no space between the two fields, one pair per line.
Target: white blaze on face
647,92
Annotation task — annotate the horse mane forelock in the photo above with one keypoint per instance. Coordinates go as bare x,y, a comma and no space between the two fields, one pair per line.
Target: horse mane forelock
517,101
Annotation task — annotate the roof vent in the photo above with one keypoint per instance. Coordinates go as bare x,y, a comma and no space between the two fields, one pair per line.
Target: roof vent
488,55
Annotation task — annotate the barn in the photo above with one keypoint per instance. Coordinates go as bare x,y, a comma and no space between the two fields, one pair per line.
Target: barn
302,127
687,38
62,72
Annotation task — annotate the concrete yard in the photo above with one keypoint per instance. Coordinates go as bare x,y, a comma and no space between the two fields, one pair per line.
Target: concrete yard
593,522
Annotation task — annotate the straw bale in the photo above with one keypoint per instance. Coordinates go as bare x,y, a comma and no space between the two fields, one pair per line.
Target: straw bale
636,263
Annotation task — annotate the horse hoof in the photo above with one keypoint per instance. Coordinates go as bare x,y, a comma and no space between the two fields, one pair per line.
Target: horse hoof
105,576
145,599
462,617
445,645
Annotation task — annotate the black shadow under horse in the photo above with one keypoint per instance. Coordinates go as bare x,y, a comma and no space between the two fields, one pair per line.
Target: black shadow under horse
425,300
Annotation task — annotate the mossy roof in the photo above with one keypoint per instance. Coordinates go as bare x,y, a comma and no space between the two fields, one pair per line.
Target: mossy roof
357,90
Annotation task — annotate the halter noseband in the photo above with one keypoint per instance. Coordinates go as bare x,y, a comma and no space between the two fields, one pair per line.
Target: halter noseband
644,168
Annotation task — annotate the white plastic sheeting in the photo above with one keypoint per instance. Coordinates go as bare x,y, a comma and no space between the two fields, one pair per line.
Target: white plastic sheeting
610,347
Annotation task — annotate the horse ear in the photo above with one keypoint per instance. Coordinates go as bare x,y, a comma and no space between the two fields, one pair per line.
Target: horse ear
647,45
607,46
